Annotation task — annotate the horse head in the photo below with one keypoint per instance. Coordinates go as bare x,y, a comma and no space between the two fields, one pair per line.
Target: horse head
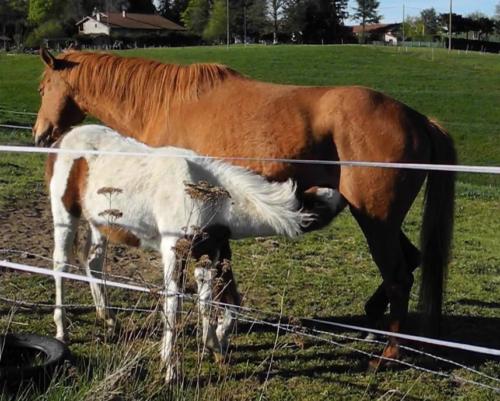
58,110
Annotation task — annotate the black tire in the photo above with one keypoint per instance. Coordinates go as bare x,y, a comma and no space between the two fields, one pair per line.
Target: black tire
53,351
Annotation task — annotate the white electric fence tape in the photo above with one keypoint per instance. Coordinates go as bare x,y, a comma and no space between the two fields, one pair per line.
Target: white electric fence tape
15,126
409,166
77,277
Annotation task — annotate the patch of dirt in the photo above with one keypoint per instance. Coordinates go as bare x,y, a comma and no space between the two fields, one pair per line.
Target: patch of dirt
28,227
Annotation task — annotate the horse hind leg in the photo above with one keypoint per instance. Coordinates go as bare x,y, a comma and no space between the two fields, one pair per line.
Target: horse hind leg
387,251
376,306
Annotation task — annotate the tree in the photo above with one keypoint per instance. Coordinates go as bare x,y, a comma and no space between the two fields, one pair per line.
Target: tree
141,6
317,20
413,27
323,17
41,11
13,15
216,27
48,29
172,9
366,12
294,15
497,18
195,16
480,24
430,21
248,18
255,17
275,12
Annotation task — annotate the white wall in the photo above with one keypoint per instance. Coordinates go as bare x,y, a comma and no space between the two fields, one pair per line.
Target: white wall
94,27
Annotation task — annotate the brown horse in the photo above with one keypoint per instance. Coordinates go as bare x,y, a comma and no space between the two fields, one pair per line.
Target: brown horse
214,110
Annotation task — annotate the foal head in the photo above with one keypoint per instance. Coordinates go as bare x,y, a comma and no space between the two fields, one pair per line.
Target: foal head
58,110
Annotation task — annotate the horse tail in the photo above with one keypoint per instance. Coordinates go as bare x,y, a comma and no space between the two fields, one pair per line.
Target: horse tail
437,228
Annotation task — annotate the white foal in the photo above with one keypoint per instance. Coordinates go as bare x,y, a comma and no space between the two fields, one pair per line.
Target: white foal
154,202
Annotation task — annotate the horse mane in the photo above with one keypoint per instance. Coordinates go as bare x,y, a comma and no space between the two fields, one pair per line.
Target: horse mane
274,203
139,83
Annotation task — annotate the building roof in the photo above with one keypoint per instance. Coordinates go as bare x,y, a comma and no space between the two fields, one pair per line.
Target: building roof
375,28
135,21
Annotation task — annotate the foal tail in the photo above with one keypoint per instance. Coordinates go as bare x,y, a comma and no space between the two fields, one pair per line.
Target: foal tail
437,228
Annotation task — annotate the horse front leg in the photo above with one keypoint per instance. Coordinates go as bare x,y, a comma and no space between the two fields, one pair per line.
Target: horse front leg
376,306
171,304
95,250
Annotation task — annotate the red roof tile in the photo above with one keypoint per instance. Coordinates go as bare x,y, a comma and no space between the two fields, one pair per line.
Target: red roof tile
137,21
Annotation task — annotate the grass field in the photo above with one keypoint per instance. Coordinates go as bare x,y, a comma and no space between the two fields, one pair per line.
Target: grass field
326,274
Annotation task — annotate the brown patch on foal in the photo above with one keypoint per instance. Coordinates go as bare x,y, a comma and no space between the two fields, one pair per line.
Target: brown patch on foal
75,187
119,235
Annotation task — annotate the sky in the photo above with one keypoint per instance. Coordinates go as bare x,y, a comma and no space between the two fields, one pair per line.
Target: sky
392,10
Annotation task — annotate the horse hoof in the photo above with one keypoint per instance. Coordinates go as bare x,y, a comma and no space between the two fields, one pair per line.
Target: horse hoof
374,365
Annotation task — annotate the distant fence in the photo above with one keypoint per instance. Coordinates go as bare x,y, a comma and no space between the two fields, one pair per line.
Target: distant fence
456,44
475,45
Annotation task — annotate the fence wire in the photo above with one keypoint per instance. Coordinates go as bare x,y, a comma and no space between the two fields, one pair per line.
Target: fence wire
251,316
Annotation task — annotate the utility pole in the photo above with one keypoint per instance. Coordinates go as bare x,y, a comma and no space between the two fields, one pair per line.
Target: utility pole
449,26
227,24
245,23
403,24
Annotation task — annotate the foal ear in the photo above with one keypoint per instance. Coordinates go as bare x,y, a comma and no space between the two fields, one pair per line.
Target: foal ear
48,59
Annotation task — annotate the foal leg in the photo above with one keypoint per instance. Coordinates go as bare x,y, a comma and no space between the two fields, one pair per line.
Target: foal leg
65,227
229,296
205,276
96,251
171,304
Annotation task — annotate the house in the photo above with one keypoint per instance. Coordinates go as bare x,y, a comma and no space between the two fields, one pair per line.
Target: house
125,26
387,33
4,39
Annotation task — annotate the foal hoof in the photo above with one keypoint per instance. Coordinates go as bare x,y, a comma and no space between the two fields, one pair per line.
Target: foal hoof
170,376
372,337
64,338
113,329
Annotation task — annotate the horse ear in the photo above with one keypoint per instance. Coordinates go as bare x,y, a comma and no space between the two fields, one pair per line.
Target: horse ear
48,59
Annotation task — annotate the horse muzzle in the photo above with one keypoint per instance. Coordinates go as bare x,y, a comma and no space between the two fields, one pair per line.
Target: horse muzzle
44,137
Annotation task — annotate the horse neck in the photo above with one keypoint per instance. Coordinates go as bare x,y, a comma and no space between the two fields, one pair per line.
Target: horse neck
108,110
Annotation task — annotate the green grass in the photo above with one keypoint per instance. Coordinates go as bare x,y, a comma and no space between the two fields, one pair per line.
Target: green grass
326,274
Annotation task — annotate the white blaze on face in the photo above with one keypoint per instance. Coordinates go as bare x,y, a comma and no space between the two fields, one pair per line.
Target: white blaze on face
330,196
